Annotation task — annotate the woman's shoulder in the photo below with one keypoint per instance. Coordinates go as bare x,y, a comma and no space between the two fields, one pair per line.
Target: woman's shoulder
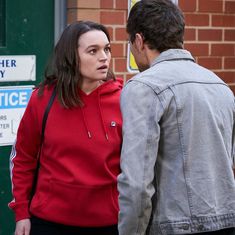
41,96
117,82
120,82
111,86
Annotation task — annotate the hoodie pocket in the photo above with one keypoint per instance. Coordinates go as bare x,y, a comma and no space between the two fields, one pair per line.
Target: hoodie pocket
80,205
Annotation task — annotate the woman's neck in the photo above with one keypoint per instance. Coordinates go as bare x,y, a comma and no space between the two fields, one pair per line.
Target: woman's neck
88,87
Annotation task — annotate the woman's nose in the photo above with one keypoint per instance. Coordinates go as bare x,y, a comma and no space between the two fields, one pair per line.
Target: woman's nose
103,55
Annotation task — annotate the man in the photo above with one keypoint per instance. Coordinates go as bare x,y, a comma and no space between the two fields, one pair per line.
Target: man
178,137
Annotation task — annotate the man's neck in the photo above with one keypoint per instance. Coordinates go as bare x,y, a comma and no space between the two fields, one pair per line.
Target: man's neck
151,55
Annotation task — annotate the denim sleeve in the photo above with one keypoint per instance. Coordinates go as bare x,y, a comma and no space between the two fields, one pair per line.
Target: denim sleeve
141,110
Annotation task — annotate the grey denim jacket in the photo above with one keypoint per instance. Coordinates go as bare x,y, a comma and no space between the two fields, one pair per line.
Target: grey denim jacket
178,150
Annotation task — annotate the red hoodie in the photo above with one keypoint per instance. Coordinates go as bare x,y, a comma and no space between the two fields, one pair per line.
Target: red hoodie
77,182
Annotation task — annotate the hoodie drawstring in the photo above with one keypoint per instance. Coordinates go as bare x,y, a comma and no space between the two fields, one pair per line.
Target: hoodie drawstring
102,120
101,115
85,123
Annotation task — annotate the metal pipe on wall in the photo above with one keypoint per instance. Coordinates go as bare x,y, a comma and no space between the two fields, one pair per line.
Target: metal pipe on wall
60,18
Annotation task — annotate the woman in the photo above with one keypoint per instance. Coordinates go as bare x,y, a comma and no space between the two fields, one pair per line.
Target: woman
76,190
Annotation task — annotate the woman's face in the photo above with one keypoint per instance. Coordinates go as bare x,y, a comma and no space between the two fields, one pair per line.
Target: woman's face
95,56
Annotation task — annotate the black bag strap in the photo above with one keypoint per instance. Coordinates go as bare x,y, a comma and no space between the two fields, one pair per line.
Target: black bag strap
47,110
44,120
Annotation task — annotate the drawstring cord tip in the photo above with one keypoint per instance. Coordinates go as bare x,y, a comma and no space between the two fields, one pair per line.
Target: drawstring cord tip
107,137
89,134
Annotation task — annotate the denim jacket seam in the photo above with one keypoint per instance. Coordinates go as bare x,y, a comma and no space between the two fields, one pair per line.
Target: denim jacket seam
155,89
145,167
184,154
169,86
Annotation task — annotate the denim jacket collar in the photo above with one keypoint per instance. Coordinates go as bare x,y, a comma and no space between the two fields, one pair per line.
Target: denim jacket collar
173,54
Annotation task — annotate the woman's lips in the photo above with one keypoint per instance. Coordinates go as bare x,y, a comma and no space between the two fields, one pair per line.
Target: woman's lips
103,67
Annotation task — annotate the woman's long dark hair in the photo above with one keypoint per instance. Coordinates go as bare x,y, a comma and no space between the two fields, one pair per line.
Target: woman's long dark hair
63,69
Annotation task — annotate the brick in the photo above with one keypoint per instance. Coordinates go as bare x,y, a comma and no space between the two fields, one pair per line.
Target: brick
229,35
189,34
227,76
232,87
71,15
210,34
187,5
210,62
117,50
120,75
229,63
107,4
120,65
223,20
197,19
121,34
210,6
130,75
85,14
110,30
111,64
121,4
72,3
113,17
197,49
230,6
84,4
222,49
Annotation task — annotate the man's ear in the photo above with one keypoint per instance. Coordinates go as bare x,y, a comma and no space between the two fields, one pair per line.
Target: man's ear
139,42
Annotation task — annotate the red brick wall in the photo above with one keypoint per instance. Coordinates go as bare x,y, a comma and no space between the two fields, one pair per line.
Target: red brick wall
210,35
210,31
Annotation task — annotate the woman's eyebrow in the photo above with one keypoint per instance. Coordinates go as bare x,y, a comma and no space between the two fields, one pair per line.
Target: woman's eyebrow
96,45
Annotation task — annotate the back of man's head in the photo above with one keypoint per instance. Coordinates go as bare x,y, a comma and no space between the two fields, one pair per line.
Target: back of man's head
160,22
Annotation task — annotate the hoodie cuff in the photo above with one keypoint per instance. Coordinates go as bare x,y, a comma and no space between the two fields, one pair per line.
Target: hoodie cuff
21,210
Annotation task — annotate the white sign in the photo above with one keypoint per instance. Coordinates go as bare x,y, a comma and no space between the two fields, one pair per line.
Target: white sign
13,101
17,68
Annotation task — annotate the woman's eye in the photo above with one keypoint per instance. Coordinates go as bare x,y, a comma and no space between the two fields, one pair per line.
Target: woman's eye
92,52
107,49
